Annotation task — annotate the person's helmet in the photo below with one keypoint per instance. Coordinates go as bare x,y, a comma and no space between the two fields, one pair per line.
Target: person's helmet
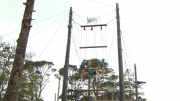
103,59
84,59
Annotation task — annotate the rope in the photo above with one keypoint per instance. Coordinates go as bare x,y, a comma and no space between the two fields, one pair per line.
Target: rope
126,39
50,40
166,85
49,17
75,48
111,42
126,52
103,3
10,33
151,27
48,26
79,18
33,24
111,20
163,65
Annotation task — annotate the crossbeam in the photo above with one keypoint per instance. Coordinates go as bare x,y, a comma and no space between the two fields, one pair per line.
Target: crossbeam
93,47
93,25
84,90
141,82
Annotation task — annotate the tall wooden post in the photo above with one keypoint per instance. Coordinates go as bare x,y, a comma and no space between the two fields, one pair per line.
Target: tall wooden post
58,88
136,84
66,66
14,81
121,78
55,97
89,87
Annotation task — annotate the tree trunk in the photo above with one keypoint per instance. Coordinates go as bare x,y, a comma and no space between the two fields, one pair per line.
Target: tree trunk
14,81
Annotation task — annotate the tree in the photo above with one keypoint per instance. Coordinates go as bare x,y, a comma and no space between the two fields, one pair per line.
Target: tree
76,82
34,79
100,82
129,87
7,53
72,76
16,72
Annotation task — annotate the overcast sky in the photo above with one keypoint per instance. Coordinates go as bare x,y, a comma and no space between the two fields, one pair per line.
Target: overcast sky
150,38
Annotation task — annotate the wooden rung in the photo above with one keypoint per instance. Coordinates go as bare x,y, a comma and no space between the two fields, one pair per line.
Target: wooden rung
93,25
84,90
141,82
93,47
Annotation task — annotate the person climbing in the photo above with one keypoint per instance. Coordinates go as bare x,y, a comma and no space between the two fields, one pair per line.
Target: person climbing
92,71
83,68
102,66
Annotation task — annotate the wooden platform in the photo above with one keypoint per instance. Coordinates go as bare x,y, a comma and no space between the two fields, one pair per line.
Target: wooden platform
93,47
84,90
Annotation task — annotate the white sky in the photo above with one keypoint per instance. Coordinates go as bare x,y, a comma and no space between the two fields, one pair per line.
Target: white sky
150,30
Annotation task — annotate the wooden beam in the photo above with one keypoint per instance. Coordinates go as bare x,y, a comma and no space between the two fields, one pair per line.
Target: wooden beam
93,25
94,47
84,90
140,82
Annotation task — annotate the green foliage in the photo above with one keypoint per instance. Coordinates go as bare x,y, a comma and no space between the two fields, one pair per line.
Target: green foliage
34,79
109,79
34,76
129,86
7,54
76,82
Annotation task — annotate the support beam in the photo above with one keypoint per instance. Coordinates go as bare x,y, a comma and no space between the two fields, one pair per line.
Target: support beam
141,82
136,84
66,66
120,61
93,25
89,79
93,47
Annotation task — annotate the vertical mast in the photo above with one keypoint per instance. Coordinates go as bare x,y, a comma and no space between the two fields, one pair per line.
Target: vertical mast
121,78
58,88
66,66
136,85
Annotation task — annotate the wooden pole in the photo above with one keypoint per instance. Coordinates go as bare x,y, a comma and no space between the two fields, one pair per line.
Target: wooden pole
55,97
16,72
136,84
121,78
66,66
89,87
71,91
58,88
